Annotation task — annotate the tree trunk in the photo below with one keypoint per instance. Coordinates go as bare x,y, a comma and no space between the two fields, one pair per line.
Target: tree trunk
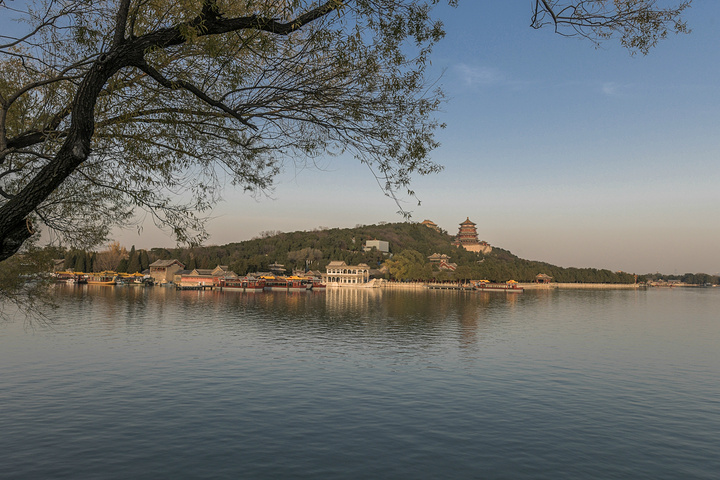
14,222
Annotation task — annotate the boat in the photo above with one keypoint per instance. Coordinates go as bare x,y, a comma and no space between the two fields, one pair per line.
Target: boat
296,284
244,284
511,286
274,284
134,279
70,278
285,284
315,284
102,278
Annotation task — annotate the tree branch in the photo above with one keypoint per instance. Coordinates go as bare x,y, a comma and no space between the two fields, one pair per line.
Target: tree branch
175,84
120,22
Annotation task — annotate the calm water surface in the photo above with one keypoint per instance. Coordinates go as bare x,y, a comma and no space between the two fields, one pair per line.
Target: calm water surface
132,382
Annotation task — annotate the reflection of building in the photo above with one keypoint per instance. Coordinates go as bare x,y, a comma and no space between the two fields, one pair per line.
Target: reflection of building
346,275
442,262
163,271
354,302
467,238
380,245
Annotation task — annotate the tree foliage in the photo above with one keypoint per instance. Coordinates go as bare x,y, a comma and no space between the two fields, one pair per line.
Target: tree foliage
409,265
112,105
640,24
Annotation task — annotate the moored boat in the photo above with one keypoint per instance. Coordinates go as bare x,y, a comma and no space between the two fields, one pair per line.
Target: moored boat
70,278
510,286
275,283
296,284
102,278
316,285
244,284
285,284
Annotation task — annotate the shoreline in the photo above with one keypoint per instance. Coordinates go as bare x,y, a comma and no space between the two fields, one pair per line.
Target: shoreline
581,286
384,284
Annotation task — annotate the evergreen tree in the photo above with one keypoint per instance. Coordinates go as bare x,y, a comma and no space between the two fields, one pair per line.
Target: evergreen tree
133,264
80,263
122,266
144,260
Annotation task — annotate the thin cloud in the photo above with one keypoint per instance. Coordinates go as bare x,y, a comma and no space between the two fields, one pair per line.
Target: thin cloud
482,76
612,89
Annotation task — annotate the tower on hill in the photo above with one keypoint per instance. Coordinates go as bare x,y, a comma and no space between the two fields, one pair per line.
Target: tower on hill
467,238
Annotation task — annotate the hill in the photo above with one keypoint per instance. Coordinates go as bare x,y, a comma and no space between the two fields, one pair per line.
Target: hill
315,249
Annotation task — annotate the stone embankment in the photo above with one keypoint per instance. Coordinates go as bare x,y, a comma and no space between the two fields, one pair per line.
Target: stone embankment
403,285
576,286
379,283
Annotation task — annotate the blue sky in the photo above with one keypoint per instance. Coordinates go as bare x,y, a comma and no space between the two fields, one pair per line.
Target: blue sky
559,151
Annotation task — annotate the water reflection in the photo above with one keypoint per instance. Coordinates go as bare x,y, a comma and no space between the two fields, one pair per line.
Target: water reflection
200,384
373,316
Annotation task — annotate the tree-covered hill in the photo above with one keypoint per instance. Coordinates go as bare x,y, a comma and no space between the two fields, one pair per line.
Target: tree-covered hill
315,249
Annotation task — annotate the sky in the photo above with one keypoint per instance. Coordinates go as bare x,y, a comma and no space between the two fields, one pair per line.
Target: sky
559,151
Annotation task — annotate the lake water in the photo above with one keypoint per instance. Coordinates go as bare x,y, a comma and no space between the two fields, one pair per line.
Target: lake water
147,383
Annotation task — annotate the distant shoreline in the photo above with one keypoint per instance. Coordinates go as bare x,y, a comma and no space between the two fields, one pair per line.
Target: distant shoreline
526,286
581,286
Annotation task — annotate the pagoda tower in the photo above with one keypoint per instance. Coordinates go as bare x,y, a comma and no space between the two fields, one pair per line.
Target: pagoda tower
467,238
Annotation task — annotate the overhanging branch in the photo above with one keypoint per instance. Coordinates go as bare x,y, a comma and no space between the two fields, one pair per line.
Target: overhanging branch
176,84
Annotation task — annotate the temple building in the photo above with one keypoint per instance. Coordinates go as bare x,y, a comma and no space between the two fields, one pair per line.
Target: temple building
431,224
467,238
441,262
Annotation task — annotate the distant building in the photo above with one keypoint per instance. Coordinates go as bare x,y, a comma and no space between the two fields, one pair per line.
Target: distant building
431,224
203,276
543,278
442,262
380,245
467,238
163,271
340,273
277,268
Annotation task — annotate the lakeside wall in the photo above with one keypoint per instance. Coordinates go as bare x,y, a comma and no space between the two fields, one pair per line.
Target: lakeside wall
575,286
377,283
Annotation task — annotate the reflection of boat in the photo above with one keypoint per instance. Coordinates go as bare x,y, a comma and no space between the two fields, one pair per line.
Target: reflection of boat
510,286
245,284
102,278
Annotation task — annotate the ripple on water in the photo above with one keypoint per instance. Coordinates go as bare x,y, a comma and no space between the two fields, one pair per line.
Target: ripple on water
156,383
